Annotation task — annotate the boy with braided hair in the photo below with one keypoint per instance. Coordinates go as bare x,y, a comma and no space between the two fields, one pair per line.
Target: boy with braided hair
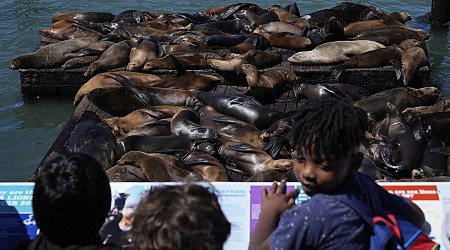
326,136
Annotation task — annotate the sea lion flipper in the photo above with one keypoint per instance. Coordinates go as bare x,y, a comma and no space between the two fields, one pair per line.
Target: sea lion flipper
338,71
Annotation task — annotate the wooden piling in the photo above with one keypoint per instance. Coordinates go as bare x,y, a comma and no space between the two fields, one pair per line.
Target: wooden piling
440,13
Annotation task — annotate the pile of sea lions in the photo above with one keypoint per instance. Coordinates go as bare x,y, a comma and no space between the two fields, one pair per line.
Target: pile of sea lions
181,127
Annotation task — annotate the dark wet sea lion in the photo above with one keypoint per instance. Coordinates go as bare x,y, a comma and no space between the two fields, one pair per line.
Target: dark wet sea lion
356,28
241,107
126,173
266,87
206,165
401,17
230,128
160,167
91,136
254,19
98,17
117,55
249,159
142,116
346,11
352,90
259,58
228,26
153,144
50,56
108,80
432,164
225,40
401,138
333,52
187,123
142,51
79,62
412,60
123,100
389,56
432,125
318,91
369,168
401,97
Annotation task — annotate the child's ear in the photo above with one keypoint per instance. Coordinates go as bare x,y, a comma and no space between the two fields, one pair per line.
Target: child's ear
356,162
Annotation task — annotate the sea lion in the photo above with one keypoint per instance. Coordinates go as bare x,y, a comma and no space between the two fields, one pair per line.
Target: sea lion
356,28
153,144
270,176
249,159
432,164
412,60
225,40
401,16
269,85
369,168
142,51
317,91
259,58
333,52
142,116
152,128
230,128
440,106
91,136
160,167
187,123
91,16
117,55
79,62
123,100
401,97
283,14
74,30
401,138
126,173
206,165
235,26
388,56
432,125
187,60
392,34
287,41
108,80
280,27
188,80
254,19
241,107
52,55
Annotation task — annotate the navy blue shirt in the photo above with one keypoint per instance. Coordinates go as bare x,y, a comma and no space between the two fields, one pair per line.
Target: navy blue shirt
326,223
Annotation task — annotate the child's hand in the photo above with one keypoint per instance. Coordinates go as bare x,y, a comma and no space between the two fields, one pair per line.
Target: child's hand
276,200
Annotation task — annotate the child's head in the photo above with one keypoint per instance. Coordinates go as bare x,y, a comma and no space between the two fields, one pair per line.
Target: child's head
326,136
179,217
71,199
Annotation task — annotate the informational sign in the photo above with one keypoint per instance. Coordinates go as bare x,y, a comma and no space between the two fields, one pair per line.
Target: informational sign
240,201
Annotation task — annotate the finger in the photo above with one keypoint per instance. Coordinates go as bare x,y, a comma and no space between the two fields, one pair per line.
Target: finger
264,192
273,188
282,188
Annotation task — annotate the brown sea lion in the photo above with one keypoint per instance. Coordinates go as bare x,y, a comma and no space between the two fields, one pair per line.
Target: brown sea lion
401,16
254,19
189,80
440,106
109,80
117,55
283,14
123,100
392,34
356,28
269,176
160,167
152,128
388,56
401,139
142,51
205,165
269,85
333,52
126,173
241,107
187,123
50,56
412,60
260,59
401,97
70,32
280,27
187,60
249,159
287,41
142,116
79,62
92,16
230,128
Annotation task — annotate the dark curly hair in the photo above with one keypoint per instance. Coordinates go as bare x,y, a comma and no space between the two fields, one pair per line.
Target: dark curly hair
71,199
185,216
333,126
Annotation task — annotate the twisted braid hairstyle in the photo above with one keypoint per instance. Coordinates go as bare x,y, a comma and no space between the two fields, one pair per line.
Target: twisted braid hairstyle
328,127
185,216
